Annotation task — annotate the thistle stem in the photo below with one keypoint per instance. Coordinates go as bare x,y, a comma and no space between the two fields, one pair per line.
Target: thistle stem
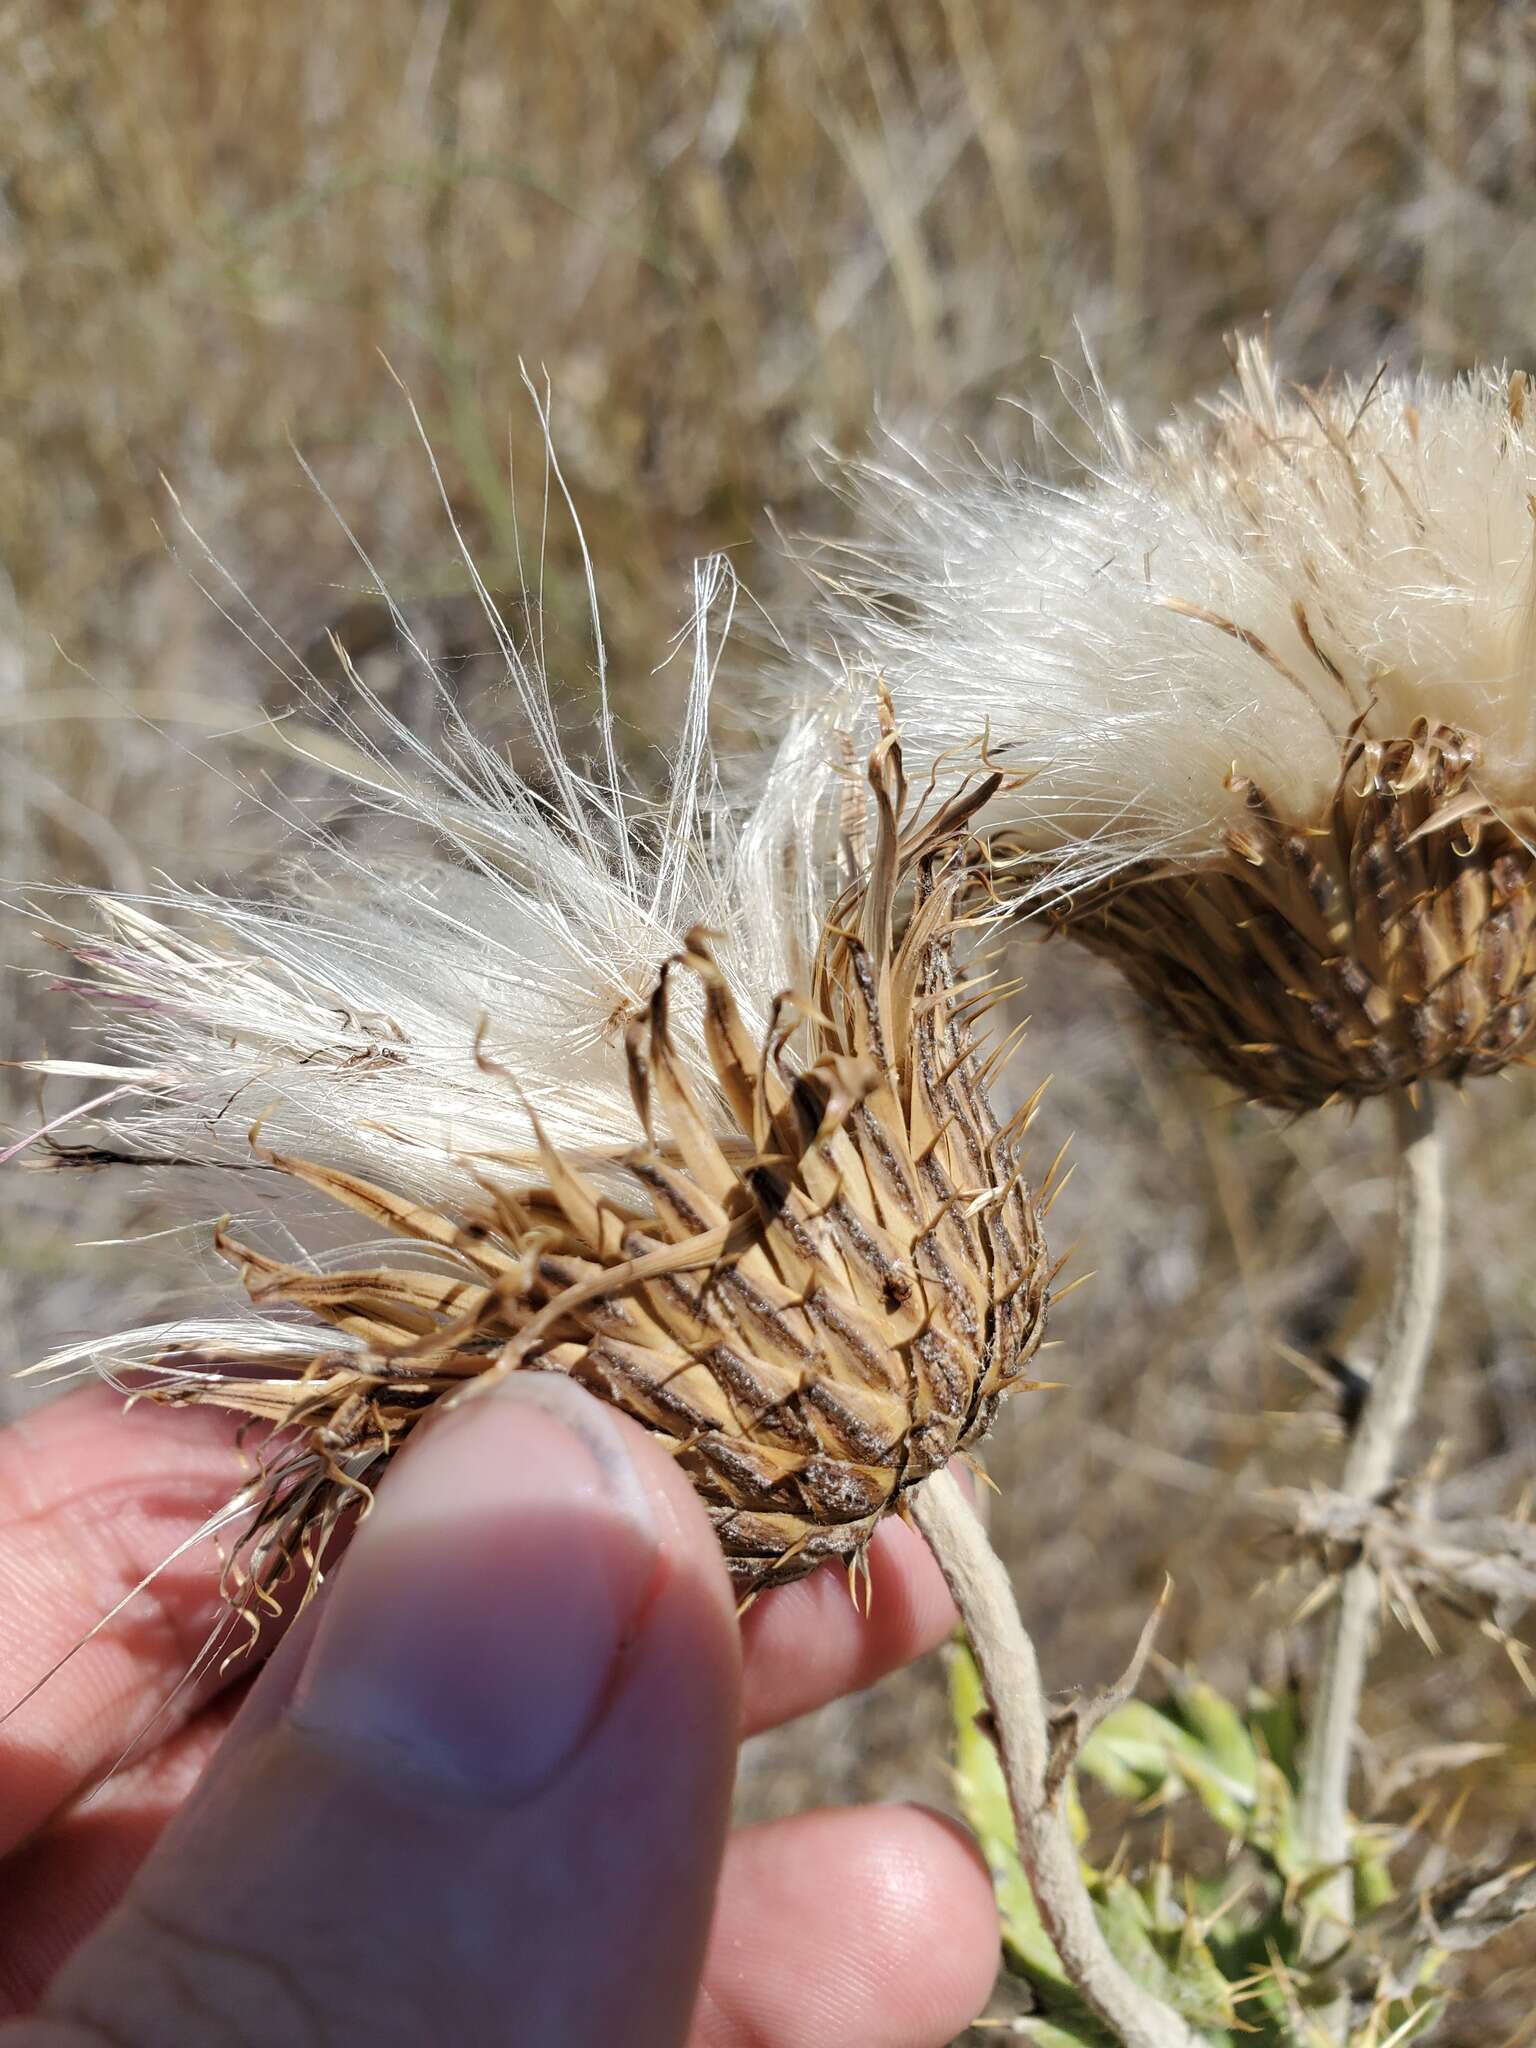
1010,1677
1389,1409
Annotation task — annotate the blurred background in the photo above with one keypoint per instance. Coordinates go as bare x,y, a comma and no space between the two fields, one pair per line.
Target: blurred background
734,236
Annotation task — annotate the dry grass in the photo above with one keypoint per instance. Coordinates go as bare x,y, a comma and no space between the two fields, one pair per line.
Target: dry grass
728,231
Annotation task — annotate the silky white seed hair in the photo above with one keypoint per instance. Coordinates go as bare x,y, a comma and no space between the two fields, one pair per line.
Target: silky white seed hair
410,998
1223,602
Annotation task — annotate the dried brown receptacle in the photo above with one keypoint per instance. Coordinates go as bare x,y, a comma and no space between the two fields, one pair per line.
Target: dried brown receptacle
1391,942
817,1288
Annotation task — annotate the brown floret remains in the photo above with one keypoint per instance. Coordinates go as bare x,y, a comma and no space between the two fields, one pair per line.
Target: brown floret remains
1391,942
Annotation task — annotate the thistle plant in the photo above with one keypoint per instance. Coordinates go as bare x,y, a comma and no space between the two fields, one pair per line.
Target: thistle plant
691,1100
690,1104
1225,1944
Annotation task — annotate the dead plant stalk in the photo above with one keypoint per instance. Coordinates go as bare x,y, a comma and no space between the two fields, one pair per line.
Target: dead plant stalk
1010,1676
1389,1410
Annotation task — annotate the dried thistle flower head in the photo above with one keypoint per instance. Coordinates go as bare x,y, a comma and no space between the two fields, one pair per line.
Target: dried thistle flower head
787,1235
1275,674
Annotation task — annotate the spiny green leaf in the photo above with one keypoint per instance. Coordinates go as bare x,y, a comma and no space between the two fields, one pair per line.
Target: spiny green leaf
1204,1994
1373,1884
1179,1970
1229,1804
1135,1752
1086,2033
1124,1916
1143,1753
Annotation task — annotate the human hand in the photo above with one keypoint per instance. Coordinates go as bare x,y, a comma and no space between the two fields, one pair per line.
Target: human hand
479,1793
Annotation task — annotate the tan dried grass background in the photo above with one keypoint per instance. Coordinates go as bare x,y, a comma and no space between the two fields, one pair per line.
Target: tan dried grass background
728,231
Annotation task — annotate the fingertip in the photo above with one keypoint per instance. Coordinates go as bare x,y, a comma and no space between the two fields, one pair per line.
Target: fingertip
938,1895
811,1642
685,1527
98,1433
889,1914
906,1572
529,1519
108,1595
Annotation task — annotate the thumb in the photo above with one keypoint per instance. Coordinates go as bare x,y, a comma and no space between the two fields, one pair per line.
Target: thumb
489,1803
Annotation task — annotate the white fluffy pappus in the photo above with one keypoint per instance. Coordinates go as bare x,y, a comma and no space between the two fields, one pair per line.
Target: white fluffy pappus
411,997
1223,603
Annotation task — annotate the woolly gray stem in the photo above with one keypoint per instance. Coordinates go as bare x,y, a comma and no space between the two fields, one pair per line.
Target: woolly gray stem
1010,1677
1370,1467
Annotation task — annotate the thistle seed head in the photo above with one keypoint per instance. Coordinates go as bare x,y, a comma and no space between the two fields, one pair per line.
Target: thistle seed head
821,1281
1274,675
813,1273
1393,943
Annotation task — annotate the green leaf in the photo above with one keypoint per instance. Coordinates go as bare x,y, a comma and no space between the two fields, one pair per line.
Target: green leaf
1273,1827
1086,2033
1222,1730
1374,1887
1278,1729
1204,1995
1143,1753
1126,1920
1229,1803
1135,1752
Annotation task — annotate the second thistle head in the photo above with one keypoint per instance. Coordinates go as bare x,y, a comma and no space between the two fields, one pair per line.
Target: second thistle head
1275,675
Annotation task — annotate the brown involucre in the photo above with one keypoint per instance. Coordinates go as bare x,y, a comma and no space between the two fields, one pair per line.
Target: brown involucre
817,1290
1392,941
